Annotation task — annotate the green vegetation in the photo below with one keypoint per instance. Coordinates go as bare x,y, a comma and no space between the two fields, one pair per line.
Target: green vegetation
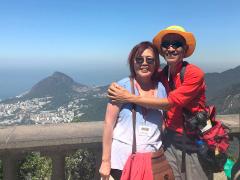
80,165
96,109
35,167
76,119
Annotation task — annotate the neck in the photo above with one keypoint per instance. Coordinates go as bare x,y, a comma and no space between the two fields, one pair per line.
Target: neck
145,83
174,67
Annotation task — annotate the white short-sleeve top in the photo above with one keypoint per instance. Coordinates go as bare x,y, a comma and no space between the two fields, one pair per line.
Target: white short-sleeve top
123,132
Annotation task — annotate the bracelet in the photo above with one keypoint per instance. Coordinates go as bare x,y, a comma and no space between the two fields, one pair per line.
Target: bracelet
105,160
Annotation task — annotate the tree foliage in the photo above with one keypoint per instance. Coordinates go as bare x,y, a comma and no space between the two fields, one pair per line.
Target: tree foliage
81,165
76,119
35,167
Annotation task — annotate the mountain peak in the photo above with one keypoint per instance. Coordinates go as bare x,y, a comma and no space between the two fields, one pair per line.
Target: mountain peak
61,77
57,84
57,73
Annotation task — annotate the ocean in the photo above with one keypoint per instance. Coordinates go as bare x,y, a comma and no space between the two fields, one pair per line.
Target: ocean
14,81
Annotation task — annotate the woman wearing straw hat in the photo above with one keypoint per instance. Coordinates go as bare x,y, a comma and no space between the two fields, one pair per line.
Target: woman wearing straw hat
174,44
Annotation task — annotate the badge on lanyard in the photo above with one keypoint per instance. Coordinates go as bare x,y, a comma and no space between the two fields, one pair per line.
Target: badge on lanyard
144,130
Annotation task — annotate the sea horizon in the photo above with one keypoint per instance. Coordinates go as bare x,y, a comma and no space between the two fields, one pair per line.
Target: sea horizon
15,81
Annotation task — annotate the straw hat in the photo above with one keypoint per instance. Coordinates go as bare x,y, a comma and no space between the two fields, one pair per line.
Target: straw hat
188,36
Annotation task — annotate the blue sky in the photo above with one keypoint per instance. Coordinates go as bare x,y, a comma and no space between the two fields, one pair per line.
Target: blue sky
96,36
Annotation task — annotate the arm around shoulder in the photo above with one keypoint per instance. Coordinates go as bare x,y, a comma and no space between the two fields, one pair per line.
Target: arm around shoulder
151,102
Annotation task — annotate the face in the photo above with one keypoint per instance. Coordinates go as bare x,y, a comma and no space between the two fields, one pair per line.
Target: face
173,47
144,65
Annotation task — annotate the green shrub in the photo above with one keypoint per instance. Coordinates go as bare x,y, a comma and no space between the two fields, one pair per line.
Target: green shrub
80,165
35,167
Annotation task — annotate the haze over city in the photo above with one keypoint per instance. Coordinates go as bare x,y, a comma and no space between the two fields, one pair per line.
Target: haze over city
90,40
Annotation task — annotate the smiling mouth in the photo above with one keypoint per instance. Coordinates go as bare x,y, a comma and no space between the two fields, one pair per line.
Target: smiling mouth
144,69
171,55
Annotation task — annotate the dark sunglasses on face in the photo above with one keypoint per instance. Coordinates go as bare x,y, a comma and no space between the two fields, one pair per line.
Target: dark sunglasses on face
174,45
140,60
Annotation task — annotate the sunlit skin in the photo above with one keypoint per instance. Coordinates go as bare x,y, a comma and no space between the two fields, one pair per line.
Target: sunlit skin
144,71
143,76
174,57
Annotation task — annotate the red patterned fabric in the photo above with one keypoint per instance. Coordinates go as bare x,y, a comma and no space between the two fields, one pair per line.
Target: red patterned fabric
217,136
138,167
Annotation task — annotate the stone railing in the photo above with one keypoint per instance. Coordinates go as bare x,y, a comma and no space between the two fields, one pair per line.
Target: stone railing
55,141
59,140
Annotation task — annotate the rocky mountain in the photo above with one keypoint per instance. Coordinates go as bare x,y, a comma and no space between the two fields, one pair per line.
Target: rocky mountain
223,90
56,98
219,81
227,100
59,86
55,85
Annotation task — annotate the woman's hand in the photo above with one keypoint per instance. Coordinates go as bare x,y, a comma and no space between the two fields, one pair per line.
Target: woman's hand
118,94
105,170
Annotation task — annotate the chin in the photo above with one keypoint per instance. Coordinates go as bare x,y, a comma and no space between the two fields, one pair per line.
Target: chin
146,76
172,60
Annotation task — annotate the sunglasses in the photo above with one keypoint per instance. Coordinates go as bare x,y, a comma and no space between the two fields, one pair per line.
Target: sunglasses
174,45
140,60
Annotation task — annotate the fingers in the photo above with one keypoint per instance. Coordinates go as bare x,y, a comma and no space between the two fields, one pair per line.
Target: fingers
112,98
113,88
117,86
113,85
104,176
117,94
111,92
114,92
105,170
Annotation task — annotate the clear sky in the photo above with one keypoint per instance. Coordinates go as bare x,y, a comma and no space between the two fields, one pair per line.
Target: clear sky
97,35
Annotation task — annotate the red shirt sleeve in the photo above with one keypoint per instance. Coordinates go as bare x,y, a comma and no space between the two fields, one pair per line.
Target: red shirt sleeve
191,87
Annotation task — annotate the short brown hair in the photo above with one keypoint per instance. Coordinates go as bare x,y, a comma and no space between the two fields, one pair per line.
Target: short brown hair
137,51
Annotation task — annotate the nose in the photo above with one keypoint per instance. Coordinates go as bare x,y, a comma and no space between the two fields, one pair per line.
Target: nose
170,48
145,62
